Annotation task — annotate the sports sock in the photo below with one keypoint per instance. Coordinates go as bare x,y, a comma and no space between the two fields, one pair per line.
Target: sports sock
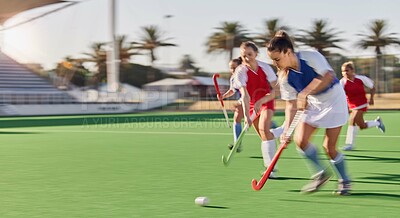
277,132
310,152
237,129
351,134
372,123
268,150
339,165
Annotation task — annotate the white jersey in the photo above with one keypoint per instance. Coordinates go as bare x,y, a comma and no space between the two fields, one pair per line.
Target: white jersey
241,74
327,109
365,80
232,84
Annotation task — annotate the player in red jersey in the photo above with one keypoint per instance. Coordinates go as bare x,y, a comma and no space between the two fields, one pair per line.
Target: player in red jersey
353,85
257,82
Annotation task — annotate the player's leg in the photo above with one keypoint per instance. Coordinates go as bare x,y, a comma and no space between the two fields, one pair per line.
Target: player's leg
378,123
237,121
240,117
309,151
356,121
337,159
268,144
277,132
264,124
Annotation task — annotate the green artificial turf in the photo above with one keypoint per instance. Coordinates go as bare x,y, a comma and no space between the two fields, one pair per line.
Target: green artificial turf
156,164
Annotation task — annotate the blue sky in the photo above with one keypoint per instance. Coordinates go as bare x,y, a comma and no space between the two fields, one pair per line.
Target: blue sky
71,31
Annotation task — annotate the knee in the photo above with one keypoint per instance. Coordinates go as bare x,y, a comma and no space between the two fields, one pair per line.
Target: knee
266,134
237,119
363,126
300,142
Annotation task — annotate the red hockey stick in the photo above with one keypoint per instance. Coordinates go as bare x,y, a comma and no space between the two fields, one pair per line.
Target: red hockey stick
215,76
258,185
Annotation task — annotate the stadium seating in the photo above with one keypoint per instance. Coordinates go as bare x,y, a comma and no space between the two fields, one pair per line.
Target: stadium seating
20,85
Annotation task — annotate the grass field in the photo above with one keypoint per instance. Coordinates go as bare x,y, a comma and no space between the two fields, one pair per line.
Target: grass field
156,164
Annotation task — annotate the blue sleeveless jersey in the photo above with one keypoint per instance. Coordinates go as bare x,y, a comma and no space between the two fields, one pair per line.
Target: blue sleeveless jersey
300,79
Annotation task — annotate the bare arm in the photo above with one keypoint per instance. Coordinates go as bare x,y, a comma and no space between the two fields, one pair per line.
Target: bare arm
246,104
228,94
316,85
268,97
290,111
371,97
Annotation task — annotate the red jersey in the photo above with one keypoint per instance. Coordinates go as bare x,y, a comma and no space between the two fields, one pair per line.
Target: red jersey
257,87
355,91
257,83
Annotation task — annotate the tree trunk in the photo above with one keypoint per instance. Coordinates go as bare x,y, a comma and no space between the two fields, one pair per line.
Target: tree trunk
377,75
230,45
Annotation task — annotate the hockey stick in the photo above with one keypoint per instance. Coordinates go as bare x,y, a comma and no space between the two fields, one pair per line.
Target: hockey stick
237,143
258,185
215,76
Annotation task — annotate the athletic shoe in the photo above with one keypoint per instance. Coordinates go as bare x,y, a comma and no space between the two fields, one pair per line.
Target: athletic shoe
344,188
381,126
318,180
347,147
238,150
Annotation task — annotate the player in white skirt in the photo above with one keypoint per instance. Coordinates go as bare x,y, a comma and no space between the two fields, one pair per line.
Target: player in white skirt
257,81
354,87
307,82
238,110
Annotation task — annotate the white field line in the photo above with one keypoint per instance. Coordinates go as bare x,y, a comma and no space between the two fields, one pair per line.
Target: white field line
166,133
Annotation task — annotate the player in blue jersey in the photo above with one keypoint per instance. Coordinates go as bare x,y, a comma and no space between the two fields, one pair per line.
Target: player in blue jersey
307,82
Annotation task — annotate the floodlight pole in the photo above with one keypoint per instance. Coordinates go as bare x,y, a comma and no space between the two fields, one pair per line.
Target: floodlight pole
167,27
113,53
1,37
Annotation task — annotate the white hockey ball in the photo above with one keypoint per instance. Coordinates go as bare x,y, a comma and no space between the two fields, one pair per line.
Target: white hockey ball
202,201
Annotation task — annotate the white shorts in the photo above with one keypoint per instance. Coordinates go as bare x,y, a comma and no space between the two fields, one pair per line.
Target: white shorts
327,110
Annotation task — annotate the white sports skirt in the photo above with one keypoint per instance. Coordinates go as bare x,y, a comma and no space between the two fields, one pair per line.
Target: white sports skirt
328,109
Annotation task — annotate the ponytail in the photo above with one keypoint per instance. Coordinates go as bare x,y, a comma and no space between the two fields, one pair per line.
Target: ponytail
281,42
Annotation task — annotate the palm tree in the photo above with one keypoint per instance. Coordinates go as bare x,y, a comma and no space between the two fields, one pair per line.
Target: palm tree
151,39
378,39
126,50
320,37
98,56
229,36
187,64
271,26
